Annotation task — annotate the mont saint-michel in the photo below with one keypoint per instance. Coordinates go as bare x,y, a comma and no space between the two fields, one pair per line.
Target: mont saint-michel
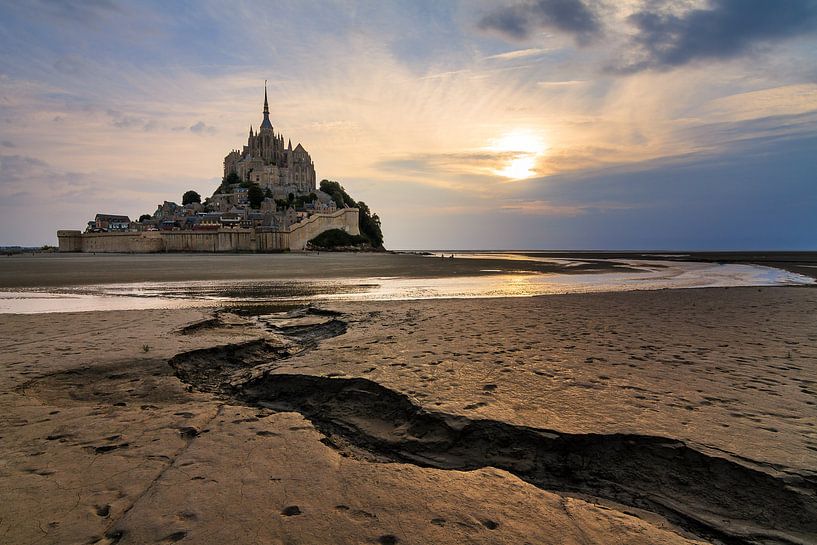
268,201
595,324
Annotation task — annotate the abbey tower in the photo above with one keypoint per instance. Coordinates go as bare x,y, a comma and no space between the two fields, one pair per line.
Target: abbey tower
266,161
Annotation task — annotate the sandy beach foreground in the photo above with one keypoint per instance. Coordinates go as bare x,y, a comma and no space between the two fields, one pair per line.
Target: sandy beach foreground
675,416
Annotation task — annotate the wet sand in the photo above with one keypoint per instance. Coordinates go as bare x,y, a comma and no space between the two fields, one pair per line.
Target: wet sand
53,270
674,416
49,270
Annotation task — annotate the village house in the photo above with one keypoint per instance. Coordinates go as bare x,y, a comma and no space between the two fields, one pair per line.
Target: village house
110,222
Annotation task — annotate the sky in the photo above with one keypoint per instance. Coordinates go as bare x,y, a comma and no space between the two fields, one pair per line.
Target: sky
539,124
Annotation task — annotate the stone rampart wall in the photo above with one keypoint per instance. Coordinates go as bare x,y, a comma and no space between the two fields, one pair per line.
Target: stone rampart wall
223,240
136,243
304,231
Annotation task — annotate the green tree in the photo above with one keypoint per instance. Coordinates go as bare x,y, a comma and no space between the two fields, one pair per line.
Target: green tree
369,223
338,194
256,196
190,197
145,217
230,179
337,237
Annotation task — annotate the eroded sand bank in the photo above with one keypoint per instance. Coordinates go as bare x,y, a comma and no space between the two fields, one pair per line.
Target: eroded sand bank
104,441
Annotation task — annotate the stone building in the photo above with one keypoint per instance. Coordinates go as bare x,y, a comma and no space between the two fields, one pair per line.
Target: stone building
267,161
110,222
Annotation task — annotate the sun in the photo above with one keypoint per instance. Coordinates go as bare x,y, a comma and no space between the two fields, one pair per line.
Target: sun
521,148
519,168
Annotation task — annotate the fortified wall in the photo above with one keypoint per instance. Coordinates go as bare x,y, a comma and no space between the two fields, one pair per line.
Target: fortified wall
223,240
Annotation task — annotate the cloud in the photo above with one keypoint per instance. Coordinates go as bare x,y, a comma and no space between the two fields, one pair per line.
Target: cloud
566,83
202,128
785,100
7,144
27,179
121,121
519,21
539,207
468,163
518,54
723,30
335,127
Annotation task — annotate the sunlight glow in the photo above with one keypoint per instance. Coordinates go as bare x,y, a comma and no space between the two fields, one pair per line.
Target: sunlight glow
523,148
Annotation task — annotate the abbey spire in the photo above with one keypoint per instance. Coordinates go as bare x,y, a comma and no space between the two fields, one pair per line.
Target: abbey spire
266,124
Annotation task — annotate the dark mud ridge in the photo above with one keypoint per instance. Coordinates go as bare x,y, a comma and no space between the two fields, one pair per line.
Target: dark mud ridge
720,499
223,369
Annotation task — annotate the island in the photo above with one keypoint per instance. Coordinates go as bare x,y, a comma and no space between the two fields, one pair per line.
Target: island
268,201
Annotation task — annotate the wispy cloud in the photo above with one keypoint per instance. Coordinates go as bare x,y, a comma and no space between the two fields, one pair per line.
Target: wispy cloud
543,207
565,83
519,54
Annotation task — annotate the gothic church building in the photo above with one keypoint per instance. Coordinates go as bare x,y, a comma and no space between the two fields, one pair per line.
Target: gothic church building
266,161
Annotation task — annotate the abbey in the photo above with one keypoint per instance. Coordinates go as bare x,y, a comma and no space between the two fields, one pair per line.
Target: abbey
266,161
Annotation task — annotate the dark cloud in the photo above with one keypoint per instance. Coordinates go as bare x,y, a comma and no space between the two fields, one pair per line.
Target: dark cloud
519,21
723,30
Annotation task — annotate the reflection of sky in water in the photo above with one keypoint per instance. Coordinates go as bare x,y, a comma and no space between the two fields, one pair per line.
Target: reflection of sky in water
652,275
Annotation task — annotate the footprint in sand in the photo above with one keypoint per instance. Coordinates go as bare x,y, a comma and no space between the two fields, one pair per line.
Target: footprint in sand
174,537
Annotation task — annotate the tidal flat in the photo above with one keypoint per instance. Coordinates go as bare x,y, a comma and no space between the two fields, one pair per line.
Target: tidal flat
636,416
